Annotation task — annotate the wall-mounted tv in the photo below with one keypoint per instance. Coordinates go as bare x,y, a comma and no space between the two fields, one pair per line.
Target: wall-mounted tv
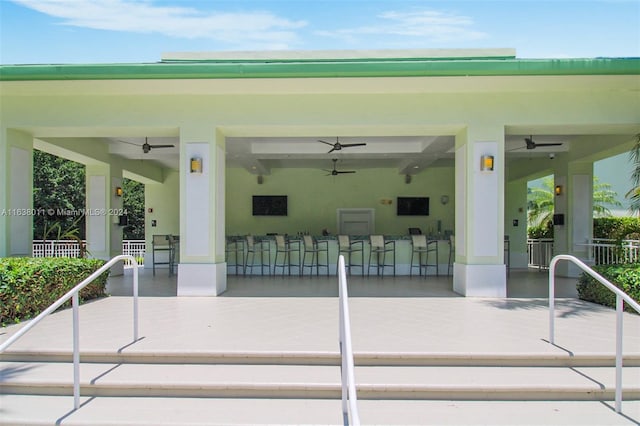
413,206
269,205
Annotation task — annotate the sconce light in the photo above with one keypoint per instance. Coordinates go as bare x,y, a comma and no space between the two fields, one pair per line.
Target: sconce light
558,190
486,163
118,191
196,165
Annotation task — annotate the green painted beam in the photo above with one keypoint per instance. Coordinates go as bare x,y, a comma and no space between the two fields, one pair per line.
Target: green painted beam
323,69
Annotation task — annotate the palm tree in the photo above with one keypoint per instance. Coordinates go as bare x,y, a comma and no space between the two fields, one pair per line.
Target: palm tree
540,202
634,194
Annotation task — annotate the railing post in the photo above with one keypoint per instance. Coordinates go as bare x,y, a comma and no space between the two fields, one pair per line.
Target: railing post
75,302
552,290
619,311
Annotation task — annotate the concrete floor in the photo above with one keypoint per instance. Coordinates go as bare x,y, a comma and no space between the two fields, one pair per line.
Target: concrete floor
520,284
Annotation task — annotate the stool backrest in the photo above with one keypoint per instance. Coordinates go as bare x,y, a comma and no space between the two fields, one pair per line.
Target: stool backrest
343,241
308,241
377,241
280,242
419,241
250,242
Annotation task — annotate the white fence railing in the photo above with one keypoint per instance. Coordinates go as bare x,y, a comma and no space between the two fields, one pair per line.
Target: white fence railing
71,248
540,252
608,252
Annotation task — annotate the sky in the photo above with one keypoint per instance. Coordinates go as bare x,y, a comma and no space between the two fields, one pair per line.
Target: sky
137,31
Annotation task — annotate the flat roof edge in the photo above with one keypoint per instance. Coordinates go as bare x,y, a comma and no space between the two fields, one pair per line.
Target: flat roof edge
417,68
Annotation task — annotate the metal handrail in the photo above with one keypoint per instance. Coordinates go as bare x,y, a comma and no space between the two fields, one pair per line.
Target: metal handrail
73,294
348,380
621,297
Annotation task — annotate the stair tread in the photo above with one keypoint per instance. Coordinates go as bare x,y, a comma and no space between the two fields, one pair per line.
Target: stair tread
98,411
302,376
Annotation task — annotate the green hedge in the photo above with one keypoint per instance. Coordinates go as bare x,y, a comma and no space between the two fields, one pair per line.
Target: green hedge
626,277
616,228
30,285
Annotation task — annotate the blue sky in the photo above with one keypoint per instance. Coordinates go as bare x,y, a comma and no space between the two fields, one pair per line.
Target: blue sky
114,31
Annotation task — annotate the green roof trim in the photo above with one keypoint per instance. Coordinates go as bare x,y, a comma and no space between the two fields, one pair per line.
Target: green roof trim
323,69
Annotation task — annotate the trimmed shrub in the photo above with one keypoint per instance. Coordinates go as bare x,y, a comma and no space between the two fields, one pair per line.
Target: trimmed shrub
30,285
625,277
616,228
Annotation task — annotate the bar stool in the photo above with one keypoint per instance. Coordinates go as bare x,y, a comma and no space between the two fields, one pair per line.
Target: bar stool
348,248
315,248
235,248
258,247
423,247
284,247
174,253
160,243
380,248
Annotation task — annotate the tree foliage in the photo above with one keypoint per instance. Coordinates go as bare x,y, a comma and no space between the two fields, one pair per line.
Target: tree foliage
634,194
58,192
133,203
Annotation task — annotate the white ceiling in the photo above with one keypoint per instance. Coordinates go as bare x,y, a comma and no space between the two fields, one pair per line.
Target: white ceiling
408,154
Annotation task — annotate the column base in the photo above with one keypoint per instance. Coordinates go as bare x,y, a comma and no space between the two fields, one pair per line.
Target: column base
202,279
480,280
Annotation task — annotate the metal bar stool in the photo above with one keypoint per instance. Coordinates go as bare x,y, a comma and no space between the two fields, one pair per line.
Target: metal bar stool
452,248
380,248
348,248
160,243
423,247
261,248
235,248
315,248
283,246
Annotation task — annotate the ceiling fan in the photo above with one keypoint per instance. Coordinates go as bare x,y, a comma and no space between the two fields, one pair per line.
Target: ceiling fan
533,145
334,171
146,147
338,146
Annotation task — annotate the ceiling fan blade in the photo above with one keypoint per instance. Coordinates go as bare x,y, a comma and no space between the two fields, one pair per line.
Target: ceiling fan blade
161,146
129,143
346,145
332,149
549,144
328,143
345,171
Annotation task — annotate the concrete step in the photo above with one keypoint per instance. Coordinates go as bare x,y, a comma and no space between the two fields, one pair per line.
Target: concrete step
328,358
107,411
320,381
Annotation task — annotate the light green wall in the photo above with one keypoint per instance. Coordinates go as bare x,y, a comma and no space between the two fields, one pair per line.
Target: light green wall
314,199
164,200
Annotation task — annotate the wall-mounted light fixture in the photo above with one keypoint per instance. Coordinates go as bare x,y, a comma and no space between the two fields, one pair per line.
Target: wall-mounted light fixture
444,199
196,165
558,190
486,163
118,191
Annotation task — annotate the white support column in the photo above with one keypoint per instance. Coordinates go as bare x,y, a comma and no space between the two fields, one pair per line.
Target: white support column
16,193
98,203
115,210
479,268
202,268
575,205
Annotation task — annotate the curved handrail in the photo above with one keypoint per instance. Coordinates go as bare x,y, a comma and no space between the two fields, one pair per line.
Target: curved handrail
346,351
621,297
75,301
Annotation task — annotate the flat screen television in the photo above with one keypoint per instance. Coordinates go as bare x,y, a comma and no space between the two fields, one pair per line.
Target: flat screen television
269,205
413,206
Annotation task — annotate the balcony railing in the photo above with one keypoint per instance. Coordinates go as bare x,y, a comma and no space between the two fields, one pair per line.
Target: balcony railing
71,248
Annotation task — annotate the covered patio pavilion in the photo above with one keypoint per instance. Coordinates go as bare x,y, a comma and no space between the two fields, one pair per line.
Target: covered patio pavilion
253,120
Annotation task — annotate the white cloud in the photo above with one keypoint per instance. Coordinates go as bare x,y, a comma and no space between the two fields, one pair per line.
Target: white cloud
142,16
425,25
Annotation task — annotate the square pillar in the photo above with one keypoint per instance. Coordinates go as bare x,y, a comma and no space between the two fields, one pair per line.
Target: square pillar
479,268
16,193
101,212
574,227
202,267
